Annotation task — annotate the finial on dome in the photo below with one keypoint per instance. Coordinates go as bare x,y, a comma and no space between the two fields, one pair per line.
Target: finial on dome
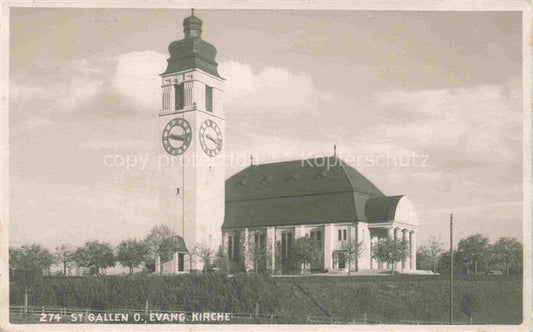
192,26
335,150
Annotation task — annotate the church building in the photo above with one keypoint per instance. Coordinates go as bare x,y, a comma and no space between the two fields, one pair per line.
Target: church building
264,208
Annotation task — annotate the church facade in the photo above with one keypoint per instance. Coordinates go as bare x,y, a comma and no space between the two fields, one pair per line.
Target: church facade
258,214
270,206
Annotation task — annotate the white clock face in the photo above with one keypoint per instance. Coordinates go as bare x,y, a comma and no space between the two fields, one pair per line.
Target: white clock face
210,138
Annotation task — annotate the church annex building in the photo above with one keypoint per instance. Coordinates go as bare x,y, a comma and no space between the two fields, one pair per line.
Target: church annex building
266,206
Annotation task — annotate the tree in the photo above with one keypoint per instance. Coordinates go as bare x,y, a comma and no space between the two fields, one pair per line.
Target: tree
459,266
28,263
205,253
257,251
306,251
474,250
423,258
132,253
221,261
391,251
351,250
95,255
491,256
434,250
508,250
63,255
162,242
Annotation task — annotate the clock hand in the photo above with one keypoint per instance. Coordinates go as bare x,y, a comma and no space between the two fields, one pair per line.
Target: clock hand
211,139
179,137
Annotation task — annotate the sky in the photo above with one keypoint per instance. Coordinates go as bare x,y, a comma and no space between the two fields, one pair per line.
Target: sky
425,104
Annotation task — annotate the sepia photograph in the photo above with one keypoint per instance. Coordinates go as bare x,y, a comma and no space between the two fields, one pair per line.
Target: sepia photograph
266,166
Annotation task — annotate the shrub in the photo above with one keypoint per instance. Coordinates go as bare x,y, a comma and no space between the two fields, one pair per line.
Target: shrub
207,292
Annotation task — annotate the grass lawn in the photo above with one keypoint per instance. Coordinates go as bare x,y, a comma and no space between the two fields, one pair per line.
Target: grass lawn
401,299
491,300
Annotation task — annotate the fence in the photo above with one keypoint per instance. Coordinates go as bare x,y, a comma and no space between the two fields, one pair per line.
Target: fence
50,314
365,321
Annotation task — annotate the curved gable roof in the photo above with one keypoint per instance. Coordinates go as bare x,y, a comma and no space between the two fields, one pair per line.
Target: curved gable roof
381,209
307,191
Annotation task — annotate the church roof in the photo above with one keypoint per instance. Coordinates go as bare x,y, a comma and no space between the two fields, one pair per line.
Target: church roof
312,191
381,209
181,247
192,52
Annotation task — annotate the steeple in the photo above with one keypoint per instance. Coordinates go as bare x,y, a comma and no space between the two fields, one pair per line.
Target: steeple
192,26
191,51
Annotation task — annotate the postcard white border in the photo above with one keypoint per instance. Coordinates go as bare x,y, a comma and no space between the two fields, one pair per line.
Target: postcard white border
512,5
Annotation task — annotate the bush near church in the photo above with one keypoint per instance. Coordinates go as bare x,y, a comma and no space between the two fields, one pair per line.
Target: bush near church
206,292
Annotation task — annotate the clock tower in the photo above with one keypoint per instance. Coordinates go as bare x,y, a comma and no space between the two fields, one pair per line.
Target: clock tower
192,138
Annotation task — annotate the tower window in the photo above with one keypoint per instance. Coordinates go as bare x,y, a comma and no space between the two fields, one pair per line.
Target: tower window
178,96
209,98
166,98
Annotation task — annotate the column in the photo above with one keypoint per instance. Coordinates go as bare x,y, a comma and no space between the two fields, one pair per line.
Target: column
391,236
412,246
363,262
376,264
397,237
175,263
328,238
406,262
370,243
188,94
271,245
352,237
246,253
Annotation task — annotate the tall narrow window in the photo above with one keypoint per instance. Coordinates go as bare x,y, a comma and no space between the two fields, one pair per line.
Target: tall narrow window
283,245
286,244
339,235
178,96
318,236
236,246
344,234
209,98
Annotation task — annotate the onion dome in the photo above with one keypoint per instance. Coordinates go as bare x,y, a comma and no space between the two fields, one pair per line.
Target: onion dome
191,51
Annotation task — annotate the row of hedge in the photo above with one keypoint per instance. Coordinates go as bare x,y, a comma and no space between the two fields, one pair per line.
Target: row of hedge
209,292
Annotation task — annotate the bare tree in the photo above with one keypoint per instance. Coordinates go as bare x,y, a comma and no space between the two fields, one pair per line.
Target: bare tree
434,250
204,251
